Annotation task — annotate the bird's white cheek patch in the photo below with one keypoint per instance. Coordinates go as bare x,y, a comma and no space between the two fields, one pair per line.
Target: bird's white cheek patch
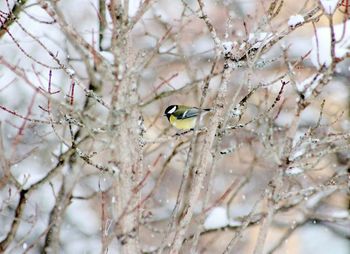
172,110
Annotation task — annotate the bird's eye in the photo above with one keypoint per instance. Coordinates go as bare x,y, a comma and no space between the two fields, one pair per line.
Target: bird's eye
172,110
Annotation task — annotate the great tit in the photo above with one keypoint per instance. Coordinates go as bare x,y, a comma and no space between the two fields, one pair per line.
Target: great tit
183,117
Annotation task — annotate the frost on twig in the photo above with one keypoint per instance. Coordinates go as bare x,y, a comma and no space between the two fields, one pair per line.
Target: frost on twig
295,20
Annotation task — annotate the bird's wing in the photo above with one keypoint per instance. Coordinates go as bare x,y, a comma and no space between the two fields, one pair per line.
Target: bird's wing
192,112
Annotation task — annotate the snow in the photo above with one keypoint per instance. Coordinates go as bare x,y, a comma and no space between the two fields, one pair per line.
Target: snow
201,45
227,46
294,171
295,20
299,152
107,39
236,111
243,45
246,7
345,125
82,217
162,15
309,117
29,171
258,39
308,85
321,240
340,214
133,7
329,5
321,44
284,119
217,218
108,56
83,245
70,71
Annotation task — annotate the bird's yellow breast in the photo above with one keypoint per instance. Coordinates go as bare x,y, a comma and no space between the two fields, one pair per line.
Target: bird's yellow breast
183,124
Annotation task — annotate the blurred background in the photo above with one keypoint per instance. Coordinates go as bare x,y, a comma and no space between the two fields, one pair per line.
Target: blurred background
173,54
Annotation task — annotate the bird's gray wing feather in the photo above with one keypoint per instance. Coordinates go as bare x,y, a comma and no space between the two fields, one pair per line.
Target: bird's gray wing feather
193,112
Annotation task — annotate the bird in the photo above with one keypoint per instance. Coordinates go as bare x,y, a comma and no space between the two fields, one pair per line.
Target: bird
183,117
